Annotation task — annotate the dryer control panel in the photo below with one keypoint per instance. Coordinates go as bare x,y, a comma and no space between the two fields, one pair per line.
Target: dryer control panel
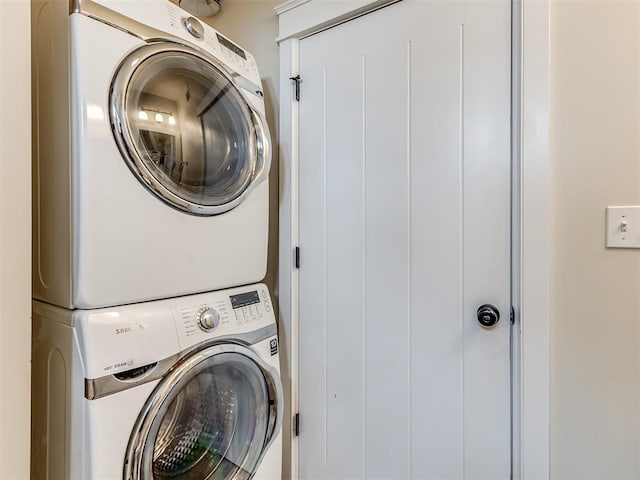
165,16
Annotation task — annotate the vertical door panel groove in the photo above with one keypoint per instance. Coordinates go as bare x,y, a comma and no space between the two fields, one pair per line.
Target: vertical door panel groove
409,269
364,263
461,189
325,339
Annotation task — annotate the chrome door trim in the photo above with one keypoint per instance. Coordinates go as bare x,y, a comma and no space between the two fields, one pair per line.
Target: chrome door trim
99,387
133,467
260,141
263,148
248,85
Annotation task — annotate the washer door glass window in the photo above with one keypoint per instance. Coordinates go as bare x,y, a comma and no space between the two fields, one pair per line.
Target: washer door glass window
185,129
212,418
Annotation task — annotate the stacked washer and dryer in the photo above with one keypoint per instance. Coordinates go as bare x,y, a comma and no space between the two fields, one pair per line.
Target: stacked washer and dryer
155,353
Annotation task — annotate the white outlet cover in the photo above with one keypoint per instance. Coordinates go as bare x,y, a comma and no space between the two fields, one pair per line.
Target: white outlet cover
623,227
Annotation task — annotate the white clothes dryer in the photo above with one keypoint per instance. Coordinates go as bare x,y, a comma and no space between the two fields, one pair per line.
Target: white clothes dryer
185,388
151,156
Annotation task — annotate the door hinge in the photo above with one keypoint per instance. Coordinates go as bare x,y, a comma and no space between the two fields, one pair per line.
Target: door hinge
297,257
513,316
296,424
296,81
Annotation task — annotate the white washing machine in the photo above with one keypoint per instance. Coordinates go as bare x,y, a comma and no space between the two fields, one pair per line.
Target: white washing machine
151,155
185,388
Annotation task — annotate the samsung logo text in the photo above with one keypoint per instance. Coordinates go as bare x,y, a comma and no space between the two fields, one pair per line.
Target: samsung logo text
131,328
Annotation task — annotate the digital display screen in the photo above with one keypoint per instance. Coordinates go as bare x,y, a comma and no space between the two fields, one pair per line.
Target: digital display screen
231,46
244,299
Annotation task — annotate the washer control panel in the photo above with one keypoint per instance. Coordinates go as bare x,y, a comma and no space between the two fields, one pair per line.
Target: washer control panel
222,313
247,306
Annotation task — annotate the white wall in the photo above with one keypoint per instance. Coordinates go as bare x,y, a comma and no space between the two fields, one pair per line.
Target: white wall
15,238
595,292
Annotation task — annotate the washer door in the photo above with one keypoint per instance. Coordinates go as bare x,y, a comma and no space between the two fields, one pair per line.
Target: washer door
186,130
212,417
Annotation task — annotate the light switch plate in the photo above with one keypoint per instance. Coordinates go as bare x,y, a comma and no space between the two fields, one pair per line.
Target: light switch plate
623,227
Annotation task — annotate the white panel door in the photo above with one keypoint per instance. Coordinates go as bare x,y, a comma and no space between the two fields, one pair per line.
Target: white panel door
404,233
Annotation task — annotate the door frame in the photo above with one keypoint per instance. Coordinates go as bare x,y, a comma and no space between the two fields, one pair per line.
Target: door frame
530,217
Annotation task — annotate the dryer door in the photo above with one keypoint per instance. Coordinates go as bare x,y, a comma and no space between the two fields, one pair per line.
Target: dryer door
185,129
213,416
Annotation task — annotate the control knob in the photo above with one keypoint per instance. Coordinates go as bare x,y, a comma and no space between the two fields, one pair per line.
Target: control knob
207,319
194,27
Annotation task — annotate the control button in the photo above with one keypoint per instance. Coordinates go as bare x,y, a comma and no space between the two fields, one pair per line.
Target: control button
267,307
263,293
207,319
193,26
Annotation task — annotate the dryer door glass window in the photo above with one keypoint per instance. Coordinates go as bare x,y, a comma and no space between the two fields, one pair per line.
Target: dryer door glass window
185,129
213,424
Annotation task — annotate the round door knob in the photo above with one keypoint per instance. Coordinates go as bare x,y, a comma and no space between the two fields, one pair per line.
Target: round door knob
488,315
207,319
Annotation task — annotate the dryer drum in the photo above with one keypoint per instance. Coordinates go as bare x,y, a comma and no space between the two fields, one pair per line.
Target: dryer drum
186,129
